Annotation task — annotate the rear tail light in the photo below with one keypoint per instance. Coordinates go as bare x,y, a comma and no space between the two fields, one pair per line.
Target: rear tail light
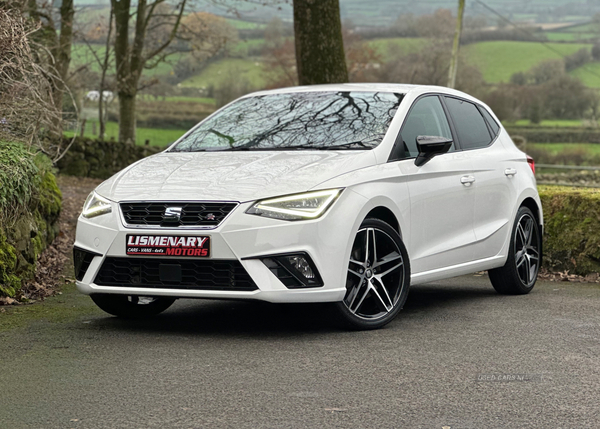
531,163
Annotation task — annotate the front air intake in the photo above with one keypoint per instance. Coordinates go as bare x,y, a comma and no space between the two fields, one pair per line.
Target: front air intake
81,261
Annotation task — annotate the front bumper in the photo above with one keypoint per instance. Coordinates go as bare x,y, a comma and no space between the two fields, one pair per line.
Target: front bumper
243,238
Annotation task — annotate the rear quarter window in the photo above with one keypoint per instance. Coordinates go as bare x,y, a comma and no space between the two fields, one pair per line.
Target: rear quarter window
491,122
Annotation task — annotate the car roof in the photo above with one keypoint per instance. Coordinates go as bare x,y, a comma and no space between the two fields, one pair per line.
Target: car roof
366,87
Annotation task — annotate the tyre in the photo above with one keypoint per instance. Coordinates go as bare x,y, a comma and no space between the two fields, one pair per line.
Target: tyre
378,277
132,306
519,274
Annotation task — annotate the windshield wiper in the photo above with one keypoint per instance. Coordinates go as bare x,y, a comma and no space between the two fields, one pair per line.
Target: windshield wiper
356,145
359,145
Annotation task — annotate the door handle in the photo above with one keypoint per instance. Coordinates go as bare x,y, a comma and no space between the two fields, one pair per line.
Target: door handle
467,180
510,171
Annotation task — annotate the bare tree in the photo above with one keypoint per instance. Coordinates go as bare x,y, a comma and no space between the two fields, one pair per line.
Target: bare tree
132,56
27,108
104,62
58,39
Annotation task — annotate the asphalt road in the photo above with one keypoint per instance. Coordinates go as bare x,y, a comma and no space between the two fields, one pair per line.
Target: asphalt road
458,356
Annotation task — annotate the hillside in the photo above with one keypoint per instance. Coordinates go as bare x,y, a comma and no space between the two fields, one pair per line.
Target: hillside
500,59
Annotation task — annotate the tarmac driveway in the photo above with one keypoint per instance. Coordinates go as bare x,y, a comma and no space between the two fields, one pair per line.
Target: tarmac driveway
458,356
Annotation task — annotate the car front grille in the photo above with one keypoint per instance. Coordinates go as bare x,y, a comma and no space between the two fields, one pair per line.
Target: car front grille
207,214
175,274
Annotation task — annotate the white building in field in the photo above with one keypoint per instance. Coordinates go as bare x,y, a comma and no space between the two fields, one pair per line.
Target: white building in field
95,96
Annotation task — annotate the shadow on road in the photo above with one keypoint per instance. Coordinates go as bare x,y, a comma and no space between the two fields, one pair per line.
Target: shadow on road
217,317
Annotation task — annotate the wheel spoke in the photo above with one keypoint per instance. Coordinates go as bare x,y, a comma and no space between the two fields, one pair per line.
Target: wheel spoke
374,244
528,269
367,245
385,306
520,233
356,273
381,286
360,301
389,270
528,231
391,257
534,252
520,258
371,248
352,261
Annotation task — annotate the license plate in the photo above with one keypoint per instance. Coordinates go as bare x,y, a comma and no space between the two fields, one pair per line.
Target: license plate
168,245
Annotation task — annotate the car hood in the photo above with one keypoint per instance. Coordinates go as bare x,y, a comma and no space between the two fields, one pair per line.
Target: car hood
229,176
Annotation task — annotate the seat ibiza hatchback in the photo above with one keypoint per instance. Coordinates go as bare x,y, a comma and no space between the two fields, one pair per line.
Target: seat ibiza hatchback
339,193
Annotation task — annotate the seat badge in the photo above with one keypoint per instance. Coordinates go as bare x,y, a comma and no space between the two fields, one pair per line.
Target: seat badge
172,214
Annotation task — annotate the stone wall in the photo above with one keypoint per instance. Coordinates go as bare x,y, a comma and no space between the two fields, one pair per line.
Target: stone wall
101,159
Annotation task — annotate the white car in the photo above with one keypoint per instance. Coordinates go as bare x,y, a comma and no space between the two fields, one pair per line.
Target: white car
336,193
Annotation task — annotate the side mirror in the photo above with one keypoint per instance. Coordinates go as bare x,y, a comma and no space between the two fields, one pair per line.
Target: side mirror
430,146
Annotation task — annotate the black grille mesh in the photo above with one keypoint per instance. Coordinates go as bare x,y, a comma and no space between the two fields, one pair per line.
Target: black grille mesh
195,274
192,214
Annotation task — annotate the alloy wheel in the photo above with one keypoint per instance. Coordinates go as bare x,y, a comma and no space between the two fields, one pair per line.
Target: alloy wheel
527,252
375,275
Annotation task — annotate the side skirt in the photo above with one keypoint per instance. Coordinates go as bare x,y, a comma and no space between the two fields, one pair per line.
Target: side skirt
457,270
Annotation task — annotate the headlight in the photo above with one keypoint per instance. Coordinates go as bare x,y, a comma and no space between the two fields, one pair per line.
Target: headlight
309,205
95,205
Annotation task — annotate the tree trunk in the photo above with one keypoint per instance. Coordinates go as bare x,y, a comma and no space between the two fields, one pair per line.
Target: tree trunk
65,40
126,118
319,44
62,56
456,45
101,108
131,59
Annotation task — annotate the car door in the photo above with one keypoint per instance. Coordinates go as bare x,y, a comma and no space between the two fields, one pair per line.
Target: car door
494,192
441,195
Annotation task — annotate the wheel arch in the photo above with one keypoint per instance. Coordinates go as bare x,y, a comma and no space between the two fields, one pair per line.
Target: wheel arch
532,205
384,214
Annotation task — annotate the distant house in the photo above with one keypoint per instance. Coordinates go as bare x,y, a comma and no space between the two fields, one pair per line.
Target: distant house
95,96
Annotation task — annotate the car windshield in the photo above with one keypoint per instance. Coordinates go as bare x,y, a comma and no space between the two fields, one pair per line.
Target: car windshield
300,120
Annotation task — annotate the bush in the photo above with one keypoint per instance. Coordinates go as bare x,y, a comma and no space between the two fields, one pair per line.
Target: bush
556,135
21,174
571,229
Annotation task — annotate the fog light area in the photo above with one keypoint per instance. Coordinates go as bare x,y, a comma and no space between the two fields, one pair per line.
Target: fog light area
294,270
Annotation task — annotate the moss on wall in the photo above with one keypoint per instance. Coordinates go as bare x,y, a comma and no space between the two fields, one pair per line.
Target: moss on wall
571,228
9,282
30,201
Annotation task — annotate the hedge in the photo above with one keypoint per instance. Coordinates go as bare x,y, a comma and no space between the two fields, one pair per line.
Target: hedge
30,204
571,229
556,135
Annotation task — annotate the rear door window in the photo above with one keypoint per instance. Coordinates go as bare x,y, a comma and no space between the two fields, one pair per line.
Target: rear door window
472,131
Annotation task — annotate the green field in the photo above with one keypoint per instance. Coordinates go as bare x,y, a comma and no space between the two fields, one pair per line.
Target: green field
546,123
222,72
498,60
157,136
556,36
589,74
243,47
81,55
555,148
397,47
245,25
201,100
